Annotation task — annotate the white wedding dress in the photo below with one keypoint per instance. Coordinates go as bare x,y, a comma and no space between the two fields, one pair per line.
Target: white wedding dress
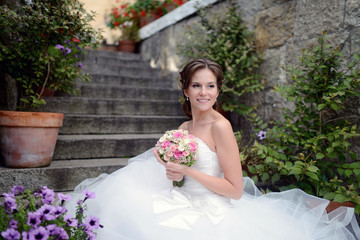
138,202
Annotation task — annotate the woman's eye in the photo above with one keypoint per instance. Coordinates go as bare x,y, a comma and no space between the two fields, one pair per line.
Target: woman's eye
211,86
196,85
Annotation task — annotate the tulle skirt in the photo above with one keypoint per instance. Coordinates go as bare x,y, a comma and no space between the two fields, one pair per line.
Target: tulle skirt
138,202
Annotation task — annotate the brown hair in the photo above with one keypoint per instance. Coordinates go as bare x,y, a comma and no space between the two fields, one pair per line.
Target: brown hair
187,73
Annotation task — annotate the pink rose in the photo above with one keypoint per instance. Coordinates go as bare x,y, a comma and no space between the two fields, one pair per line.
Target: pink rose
178,154
186,153
178,135
165,144
193,146
173,148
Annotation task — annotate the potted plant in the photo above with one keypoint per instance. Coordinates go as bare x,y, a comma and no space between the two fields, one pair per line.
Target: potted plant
42,44
125,19
310,148
148,10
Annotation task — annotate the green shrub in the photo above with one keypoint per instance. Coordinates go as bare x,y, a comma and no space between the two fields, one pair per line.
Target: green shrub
225,39
310,147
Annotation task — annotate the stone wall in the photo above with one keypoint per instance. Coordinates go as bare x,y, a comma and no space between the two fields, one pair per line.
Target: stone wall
282,29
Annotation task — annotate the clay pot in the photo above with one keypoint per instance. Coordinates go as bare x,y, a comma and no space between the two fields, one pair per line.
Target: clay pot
127,46
334,205
27,139
146,20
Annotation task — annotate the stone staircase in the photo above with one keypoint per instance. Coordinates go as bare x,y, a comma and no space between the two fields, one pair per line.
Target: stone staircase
120,113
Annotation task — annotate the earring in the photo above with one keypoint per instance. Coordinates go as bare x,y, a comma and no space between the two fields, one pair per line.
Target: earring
187,98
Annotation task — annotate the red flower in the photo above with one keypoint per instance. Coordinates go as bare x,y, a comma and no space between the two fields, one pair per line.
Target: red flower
123,6
126,14
143,13
179,2
75,40
116,23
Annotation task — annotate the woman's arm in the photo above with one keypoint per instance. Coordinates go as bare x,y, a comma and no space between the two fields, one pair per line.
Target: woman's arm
228,154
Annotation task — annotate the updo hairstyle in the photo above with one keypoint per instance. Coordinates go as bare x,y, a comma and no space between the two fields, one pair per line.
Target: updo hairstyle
187,73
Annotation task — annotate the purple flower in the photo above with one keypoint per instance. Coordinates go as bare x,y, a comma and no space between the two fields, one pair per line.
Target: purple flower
53,229
11,234
63,234
262,135
46,212
10,202
79,65
17,189
25,235
13,224
58,210
60,47
64,197
39,233
67,41
48,195
88,194
91,235
34,219
70,221
92,223
79,202
19,39
67,51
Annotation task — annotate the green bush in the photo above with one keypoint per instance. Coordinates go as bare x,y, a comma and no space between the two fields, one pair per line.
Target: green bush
310,147
42,45
225,39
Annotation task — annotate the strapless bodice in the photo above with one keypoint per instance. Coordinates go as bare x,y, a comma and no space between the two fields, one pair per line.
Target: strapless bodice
207,163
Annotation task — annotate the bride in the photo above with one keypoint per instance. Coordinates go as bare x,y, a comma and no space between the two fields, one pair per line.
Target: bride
138,202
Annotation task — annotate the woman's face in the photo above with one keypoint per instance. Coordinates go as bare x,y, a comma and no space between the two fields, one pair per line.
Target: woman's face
202,91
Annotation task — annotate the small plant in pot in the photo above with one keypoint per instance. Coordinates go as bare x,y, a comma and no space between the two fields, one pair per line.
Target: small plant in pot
42,44
125,19
311,147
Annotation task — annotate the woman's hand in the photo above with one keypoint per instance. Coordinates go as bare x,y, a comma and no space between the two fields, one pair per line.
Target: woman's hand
172,172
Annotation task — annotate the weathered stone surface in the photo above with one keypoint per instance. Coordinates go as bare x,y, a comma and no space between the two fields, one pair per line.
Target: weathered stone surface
274,26
355,41
352,13
315,16
271,3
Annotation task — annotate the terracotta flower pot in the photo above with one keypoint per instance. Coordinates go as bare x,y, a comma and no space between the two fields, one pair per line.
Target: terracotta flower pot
334,205
146,20
127,46
27,139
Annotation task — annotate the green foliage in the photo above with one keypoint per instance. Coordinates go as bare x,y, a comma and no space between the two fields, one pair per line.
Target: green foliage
30,46
310,147
225,39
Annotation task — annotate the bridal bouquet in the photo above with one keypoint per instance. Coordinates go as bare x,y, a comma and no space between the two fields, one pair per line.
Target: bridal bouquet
177,146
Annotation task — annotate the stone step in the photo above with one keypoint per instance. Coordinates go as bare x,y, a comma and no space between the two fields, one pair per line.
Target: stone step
128,92
91,106
124,71
117,124
60,175
103,146
118,62
117,79
124,56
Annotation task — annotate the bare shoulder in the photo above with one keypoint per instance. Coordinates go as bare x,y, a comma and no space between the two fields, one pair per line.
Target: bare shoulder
184,125
221,126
